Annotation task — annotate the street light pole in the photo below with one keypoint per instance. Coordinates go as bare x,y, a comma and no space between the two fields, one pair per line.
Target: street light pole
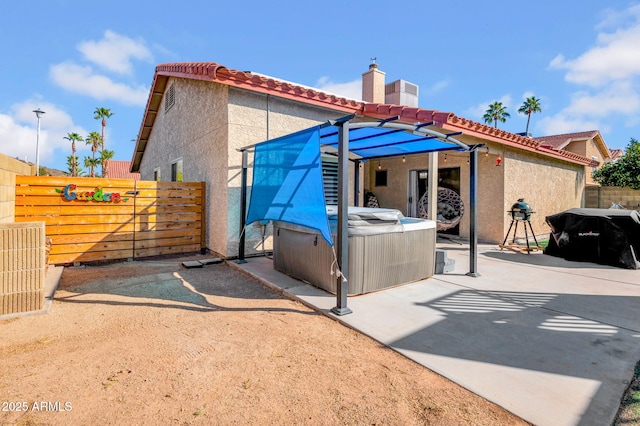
39,114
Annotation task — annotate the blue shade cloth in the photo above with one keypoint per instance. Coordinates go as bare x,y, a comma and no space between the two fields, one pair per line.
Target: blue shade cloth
375,142
287,182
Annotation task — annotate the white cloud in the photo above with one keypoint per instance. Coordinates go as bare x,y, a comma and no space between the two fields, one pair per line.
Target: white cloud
437,87
566,123
608,75
477,112
82,80
617,98
18,131
351,89
612,18
616,55
114,52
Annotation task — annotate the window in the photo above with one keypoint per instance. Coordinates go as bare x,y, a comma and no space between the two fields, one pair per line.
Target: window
156,174
381,178
176,171
330,180
169,98
594,168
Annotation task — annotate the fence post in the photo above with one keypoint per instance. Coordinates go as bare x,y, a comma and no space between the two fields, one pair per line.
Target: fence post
203,218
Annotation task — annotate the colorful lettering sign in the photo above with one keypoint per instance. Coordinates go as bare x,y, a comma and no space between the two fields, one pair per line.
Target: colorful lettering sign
68,192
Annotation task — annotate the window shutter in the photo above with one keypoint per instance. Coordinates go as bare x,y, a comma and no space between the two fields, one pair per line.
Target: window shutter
330,181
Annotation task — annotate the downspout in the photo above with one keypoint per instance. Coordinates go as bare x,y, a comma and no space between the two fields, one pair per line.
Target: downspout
268,113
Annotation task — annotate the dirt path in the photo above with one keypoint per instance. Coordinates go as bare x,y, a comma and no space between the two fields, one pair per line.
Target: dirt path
153,343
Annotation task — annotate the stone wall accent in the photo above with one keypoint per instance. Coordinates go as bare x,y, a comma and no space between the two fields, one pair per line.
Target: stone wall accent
22,267
9,168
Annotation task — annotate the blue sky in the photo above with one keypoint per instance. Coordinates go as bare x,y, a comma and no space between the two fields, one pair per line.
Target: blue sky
582,59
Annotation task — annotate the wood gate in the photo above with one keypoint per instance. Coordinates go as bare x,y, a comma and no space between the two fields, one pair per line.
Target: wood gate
90,219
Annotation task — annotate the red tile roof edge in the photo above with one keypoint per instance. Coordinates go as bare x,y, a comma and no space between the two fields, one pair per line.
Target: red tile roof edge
615,153
214,72
119,169
450,121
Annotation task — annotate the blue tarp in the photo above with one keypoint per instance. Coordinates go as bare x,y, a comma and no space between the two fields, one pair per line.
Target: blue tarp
287,182
376,142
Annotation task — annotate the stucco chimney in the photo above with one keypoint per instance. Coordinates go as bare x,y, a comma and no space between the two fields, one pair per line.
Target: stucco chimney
373,85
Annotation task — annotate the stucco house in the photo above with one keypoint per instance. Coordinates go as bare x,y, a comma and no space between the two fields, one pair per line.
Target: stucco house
588,144
199,114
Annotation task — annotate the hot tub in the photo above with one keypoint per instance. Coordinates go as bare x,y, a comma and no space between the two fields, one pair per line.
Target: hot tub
385,250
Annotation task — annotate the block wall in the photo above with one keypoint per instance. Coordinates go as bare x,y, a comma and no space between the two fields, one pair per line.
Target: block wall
9,168
22,267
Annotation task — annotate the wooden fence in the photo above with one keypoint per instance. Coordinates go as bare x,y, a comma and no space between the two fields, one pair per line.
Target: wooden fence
90,219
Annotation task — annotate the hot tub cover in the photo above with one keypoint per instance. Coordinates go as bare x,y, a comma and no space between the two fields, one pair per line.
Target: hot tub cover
604,236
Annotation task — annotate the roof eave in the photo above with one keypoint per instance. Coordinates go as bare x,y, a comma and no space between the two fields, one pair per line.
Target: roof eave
216,73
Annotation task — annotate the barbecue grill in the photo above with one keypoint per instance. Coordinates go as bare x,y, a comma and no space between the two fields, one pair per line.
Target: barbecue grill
521,211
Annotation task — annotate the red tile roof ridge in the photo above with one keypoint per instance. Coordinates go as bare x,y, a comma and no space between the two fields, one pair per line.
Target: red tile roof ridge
615,153
214,72
450,121
255,81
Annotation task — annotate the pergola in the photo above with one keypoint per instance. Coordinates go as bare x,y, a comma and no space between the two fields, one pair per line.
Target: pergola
367,140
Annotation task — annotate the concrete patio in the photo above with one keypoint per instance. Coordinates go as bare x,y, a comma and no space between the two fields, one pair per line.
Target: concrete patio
555,342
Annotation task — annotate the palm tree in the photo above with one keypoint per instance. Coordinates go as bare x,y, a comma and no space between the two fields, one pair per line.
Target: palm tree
529,106
91,164
72,165
496,112
102,114
73,138
94,140
105,156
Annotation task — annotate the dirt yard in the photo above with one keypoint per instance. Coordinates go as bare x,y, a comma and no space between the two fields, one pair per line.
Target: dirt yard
153,343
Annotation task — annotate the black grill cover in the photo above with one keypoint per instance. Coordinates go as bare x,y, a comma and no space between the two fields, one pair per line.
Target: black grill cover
605,236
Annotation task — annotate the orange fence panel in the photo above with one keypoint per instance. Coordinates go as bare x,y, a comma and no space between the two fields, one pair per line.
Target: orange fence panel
91,219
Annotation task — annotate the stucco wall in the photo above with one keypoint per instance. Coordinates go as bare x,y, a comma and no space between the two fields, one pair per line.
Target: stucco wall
587,148
254,118
9,168
196,130
549,186
205,127
592,150
490,188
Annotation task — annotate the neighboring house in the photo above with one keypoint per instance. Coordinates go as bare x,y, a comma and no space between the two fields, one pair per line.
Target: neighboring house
616,154
199,114
588,144
120,169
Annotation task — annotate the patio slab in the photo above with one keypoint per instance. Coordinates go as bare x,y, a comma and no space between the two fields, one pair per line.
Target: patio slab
554,342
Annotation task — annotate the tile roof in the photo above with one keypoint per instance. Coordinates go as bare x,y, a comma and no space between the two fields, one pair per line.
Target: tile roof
119,169
214,72
561,141
615,153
